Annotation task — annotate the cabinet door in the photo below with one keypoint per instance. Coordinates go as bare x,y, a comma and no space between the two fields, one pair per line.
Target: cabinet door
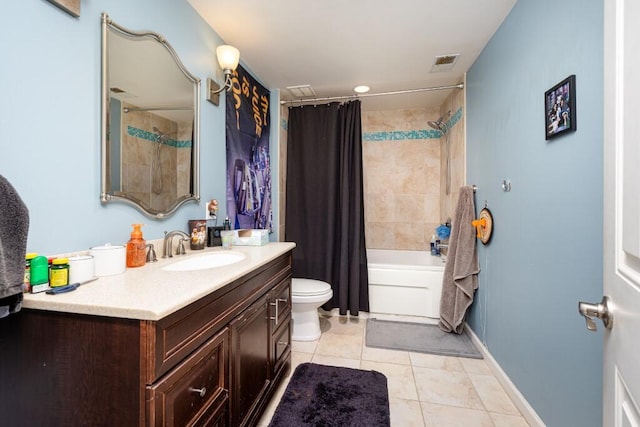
250,362
195,392
281,348
280,323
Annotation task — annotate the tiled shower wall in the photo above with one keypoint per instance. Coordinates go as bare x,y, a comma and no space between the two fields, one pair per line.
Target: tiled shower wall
138,153
405,172
401,157
456,133
404,181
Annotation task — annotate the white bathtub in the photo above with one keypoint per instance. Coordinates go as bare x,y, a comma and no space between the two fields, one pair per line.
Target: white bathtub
405,283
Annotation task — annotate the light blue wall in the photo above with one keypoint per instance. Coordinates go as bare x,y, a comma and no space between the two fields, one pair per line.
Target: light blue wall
50,117
546,252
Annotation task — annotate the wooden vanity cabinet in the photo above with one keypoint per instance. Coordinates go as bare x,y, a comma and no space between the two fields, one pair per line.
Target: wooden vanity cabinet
261,345
215,362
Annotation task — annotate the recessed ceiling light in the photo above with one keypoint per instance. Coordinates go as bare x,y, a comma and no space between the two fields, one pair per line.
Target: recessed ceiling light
361,89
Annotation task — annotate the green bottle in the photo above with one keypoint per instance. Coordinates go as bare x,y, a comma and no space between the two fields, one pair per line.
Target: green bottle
39,274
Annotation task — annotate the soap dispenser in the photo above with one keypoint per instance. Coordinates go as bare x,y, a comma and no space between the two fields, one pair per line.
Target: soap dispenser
136,248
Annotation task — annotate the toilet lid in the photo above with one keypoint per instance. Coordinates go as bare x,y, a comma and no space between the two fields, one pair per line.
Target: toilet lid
309,287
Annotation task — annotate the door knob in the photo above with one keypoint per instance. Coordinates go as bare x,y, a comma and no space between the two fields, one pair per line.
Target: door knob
599,310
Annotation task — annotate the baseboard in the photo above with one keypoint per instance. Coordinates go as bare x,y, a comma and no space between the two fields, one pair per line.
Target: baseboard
510,388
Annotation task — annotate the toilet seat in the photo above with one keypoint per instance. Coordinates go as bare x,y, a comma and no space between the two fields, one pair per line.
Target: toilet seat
309,287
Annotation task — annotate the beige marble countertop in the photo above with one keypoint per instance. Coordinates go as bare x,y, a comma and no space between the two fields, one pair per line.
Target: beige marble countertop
150,293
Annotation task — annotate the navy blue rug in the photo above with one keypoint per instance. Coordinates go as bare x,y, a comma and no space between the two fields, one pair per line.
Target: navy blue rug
331,396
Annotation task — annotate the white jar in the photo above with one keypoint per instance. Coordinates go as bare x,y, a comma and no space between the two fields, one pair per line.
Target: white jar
81,268
109,259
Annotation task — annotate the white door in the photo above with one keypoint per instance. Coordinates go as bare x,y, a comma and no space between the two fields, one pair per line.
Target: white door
621,376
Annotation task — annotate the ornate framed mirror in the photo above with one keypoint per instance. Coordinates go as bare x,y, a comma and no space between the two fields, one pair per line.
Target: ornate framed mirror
150,123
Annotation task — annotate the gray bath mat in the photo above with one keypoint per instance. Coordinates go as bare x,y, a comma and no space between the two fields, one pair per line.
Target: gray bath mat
420,338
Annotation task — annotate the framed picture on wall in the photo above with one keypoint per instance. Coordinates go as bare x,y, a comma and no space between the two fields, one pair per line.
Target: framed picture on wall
72,7
560,108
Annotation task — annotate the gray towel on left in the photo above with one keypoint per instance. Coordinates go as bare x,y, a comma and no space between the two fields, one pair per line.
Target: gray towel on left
461,270
14,228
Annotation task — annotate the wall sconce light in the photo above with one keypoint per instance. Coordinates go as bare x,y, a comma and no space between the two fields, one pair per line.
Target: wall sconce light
228,58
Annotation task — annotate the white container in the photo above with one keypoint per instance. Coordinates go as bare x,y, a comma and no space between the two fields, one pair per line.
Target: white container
109,259
81,268
250,237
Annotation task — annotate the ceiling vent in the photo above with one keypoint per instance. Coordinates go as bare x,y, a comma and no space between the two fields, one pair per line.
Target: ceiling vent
444,63
302,91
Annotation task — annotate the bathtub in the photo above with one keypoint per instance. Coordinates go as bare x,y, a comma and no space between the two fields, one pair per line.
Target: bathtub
405,283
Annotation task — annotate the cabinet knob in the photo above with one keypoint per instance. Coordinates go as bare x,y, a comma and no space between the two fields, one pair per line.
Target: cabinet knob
201,391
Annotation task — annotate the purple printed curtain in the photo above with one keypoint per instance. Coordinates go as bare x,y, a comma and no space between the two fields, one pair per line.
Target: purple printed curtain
248,163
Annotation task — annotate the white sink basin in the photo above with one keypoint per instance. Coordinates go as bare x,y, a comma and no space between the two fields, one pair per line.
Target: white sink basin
203,262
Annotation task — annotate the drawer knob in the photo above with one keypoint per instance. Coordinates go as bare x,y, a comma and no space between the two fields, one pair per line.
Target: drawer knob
201,391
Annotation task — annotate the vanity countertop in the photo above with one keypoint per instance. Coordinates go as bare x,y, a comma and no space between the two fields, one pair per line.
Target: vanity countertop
150,293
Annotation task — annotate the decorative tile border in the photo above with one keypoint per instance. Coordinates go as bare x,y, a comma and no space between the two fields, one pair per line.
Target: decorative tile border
399,135
153,137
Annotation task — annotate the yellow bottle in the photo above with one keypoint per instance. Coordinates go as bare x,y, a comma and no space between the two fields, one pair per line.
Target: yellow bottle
136,248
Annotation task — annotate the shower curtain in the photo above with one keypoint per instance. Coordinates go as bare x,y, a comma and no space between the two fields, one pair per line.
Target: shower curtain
324,207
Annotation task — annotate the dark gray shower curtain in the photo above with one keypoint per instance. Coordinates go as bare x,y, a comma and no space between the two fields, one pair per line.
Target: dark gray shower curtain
325,208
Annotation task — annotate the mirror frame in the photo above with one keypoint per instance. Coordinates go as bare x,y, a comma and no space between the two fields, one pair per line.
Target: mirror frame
105,196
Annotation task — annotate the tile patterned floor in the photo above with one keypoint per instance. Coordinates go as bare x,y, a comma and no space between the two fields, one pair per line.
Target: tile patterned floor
424,390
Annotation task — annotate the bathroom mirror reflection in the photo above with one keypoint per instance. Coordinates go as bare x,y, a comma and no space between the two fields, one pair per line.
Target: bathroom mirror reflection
150,131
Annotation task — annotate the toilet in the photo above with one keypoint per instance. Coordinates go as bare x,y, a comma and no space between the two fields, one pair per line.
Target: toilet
307,295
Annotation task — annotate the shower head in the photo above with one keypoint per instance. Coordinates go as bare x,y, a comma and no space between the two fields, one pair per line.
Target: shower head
162,137
438,124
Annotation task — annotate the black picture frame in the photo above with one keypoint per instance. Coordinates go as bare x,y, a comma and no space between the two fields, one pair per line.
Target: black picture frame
560,108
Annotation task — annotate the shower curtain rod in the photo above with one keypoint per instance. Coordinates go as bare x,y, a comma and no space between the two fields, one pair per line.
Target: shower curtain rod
127,109
366,95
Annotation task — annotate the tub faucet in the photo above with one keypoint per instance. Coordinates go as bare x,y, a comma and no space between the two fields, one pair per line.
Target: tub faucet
168,239
440,246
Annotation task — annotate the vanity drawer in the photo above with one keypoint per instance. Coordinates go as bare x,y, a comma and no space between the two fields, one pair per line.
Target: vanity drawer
196,391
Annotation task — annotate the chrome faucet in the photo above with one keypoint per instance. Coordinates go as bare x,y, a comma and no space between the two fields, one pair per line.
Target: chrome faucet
440,246
168,238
